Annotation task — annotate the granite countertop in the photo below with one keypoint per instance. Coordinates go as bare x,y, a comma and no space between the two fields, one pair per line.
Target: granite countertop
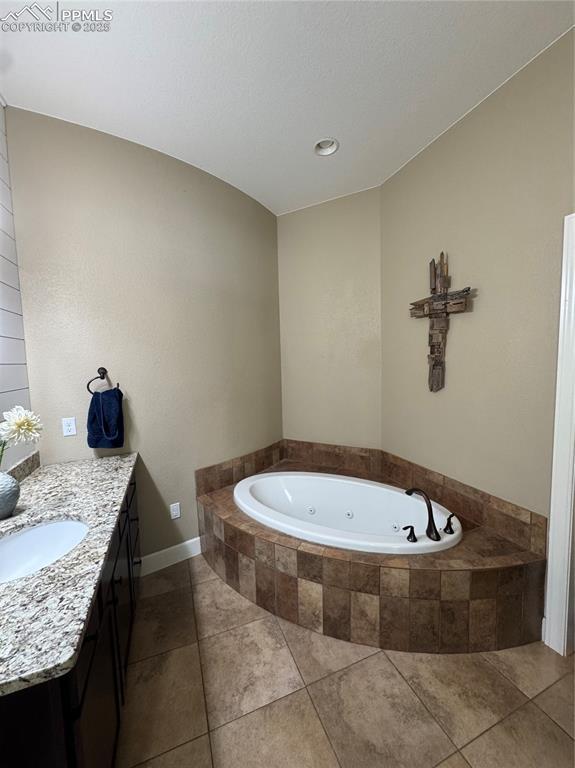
43,616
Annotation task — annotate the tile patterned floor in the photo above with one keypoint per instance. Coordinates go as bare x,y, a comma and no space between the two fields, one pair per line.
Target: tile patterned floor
216,682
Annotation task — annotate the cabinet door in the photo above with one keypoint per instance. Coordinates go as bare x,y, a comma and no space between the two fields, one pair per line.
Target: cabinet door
32,728
136,568
122,602
135,556
96,727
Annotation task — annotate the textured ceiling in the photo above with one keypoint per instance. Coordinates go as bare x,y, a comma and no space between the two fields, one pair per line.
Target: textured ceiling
244,89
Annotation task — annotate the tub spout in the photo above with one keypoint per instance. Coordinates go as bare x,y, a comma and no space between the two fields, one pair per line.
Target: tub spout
431,530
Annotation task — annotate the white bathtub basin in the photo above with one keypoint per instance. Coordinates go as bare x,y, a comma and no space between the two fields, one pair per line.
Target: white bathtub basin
31,549
343,512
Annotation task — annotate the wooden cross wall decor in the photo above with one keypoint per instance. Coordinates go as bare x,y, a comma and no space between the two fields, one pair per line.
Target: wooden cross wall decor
437,308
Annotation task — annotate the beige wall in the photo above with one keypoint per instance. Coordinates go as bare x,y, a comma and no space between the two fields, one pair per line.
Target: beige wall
492,192
329,265
166,276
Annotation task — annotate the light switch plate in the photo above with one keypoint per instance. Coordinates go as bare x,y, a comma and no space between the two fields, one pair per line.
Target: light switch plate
69,426
175,510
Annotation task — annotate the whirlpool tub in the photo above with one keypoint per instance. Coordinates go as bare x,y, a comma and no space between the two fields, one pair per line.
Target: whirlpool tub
343,512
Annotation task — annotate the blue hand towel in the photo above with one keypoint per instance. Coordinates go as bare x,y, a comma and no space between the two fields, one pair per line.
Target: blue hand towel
106,419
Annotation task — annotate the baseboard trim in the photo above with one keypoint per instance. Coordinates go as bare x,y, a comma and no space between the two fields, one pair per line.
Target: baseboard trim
165,557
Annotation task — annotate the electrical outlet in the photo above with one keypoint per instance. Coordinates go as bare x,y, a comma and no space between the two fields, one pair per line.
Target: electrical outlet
175,510
69,426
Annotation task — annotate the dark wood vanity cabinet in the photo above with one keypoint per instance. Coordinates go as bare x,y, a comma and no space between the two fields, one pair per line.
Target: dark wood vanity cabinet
121,600
73,721
95,724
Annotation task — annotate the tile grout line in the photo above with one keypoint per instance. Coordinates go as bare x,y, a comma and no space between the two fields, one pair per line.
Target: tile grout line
440,763
238,626
504,676
459,748
347,666
211,730
309,695
434,718
551,718
176,746
200,662
143,598
177,647
257,709
167,751
161,653
262,706
513,712
479,735
532,698
509,680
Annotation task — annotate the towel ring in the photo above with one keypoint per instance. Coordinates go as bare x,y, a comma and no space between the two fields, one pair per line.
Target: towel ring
102,373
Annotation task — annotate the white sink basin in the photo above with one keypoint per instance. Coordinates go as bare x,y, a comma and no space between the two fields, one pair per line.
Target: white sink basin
30,549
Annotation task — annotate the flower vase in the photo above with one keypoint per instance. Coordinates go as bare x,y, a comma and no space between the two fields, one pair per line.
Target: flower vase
9,494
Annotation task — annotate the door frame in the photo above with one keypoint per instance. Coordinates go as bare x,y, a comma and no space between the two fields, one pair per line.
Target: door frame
556,631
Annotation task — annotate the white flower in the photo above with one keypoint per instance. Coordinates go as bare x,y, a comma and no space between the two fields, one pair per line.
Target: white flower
20,426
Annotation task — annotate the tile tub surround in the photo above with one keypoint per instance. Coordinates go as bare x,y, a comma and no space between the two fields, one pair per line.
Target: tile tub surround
484,594
44,614
217,476
525,528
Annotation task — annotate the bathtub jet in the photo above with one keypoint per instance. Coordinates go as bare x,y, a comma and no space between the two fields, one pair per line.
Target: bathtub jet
347,512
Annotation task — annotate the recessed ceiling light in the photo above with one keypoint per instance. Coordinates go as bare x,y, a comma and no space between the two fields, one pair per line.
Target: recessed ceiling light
326,147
